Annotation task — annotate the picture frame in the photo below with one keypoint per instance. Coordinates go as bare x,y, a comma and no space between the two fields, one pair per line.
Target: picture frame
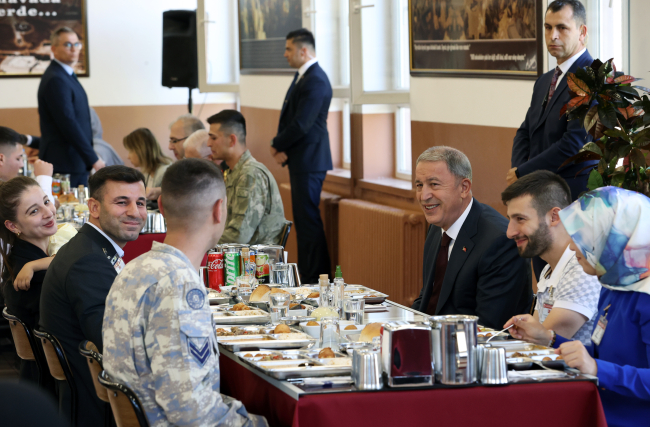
263,28
25,29
476,38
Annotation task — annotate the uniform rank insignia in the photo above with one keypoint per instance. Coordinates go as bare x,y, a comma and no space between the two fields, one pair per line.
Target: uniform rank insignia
199,349
195,299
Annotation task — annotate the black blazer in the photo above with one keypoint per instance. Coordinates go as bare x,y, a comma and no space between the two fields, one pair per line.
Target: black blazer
545,140
72,308
302,132
66,134
24,304
485,276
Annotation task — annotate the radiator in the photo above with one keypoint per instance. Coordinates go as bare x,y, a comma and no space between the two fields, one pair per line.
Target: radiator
382,247
329,211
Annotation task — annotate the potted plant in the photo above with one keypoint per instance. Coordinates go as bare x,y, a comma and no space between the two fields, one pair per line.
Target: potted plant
614,114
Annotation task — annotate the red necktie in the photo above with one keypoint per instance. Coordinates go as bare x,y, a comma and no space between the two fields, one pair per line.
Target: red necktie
439,275
551,90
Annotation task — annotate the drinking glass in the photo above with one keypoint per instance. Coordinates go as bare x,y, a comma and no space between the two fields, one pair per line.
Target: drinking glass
245,281
353,309
279,305
329,333
281,274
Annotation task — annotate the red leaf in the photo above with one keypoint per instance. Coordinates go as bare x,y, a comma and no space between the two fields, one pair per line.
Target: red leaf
627,112
578,86
563,110
609,80
576,102
624,79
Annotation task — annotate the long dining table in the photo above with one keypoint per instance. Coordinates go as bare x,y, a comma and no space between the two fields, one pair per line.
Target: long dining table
571,403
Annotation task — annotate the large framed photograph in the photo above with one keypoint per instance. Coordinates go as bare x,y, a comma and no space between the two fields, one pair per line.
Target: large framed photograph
487,38
25,29
263,28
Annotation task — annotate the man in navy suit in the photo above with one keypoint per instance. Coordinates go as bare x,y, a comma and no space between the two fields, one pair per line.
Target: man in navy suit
470,265
66,134
303,144
545,140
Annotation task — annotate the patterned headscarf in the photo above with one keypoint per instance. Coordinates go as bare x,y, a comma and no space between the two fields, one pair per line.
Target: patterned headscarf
611,227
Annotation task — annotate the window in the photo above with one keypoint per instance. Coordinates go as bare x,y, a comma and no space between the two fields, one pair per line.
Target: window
403,143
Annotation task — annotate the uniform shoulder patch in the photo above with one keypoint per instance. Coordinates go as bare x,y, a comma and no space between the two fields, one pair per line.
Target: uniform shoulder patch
195,299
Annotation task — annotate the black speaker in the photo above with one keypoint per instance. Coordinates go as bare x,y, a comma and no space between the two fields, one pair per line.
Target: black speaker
180,66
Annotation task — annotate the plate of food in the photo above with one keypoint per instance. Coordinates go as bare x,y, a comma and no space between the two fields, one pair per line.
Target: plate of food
216,297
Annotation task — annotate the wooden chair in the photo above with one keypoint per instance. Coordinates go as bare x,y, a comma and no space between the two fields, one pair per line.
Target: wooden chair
59,367
95,365
127,409
285,234
26,345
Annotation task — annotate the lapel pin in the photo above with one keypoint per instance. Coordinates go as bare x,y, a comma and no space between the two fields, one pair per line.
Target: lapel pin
464,249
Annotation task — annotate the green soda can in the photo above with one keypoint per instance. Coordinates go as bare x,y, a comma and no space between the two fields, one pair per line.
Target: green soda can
232,267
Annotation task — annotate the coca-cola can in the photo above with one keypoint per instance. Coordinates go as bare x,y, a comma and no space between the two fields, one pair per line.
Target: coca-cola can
215,270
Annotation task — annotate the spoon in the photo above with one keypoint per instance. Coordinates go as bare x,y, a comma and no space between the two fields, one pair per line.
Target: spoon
498,333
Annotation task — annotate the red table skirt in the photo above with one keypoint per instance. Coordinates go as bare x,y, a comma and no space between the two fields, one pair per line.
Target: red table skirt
143,244
552,404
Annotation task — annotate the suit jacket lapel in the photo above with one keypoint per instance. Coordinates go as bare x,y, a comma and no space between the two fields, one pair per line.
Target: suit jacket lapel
101,241
288,95
431,271
458,255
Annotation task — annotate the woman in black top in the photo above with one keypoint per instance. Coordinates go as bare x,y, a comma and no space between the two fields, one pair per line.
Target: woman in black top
27,220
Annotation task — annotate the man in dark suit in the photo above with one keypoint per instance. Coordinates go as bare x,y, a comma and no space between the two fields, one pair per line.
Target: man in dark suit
66,135
303,144
545,140
78,280
470,265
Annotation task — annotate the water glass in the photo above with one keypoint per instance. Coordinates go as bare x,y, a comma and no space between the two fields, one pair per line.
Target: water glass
279,305
329,333
353,309
281,274
68,211
245,281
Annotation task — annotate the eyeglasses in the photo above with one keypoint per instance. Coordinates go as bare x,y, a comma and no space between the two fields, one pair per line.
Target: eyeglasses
174,140
69,45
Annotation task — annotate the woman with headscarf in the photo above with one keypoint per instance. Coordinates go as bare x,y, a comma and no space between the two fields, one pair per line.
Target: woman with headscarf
610,229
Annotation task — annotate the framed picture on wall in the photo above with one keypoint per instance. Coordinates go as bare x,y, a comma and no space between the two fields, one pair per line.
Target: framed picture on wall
25,29
470,38
263,28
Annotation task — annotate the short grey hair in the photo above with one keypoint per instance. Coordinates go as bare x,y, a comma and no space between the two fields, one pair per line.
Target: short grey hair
54,37
456,161
190,122
198,140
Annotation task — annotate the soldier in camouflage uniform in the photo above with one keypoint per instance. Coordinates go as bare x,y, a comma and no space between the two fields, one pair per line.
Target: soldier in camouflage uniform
158,334
255,211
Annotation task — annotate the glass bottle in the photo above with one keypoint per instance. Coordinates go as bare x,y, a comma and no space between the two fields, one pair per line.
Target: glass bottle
338,291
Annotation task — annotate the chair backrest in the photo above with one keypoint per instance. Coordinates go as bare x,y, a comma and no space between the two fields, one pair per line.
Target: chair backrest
94,359
56,360
285,234
22,336
126,406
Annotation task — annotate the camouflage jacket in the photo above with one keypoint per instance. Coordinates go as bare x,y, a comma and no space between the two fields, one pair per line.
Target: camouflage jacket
159,341
255,211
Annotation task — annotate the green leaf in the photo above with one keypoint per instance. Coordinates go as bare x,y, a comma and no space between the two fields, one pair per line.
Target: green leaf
595,180
642,138
612,164
617,133
618,178
602,166
603,70
645,89
607,116
591,146
624,150
628,91
637,157
587,75
591,118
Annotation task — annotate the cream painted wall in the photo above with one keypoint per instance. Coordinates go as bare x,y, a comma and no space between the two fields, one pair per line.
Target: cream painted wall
639,51
269,92
125,39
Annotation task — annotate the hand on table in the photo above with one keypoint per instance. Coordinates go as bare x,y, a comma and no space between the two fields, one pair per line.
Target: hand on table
280,157
511,176
576,356
43,168
528,329
152,193
24,278
99,164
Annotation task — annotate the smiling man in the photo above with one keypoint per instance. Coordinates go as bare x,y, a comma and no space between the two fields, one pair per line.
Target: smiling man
78,280
470,266
567,297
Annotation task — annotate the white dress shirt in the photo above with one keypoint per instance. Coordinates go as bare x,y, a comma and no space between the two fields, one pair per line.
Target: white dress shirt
120,251
68,69
456,226
564,67
303,69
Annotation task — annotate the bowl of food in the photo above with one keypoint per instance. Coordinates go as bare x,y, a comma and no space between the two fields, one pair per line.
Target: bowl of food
312,328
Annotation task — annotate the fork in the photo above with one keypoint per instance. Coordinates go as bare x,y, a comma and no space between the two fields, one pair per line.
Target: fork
498,333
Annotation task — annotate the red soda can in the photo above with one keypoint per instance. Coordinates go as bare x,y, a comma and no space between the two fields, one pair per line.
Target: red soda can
215,270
